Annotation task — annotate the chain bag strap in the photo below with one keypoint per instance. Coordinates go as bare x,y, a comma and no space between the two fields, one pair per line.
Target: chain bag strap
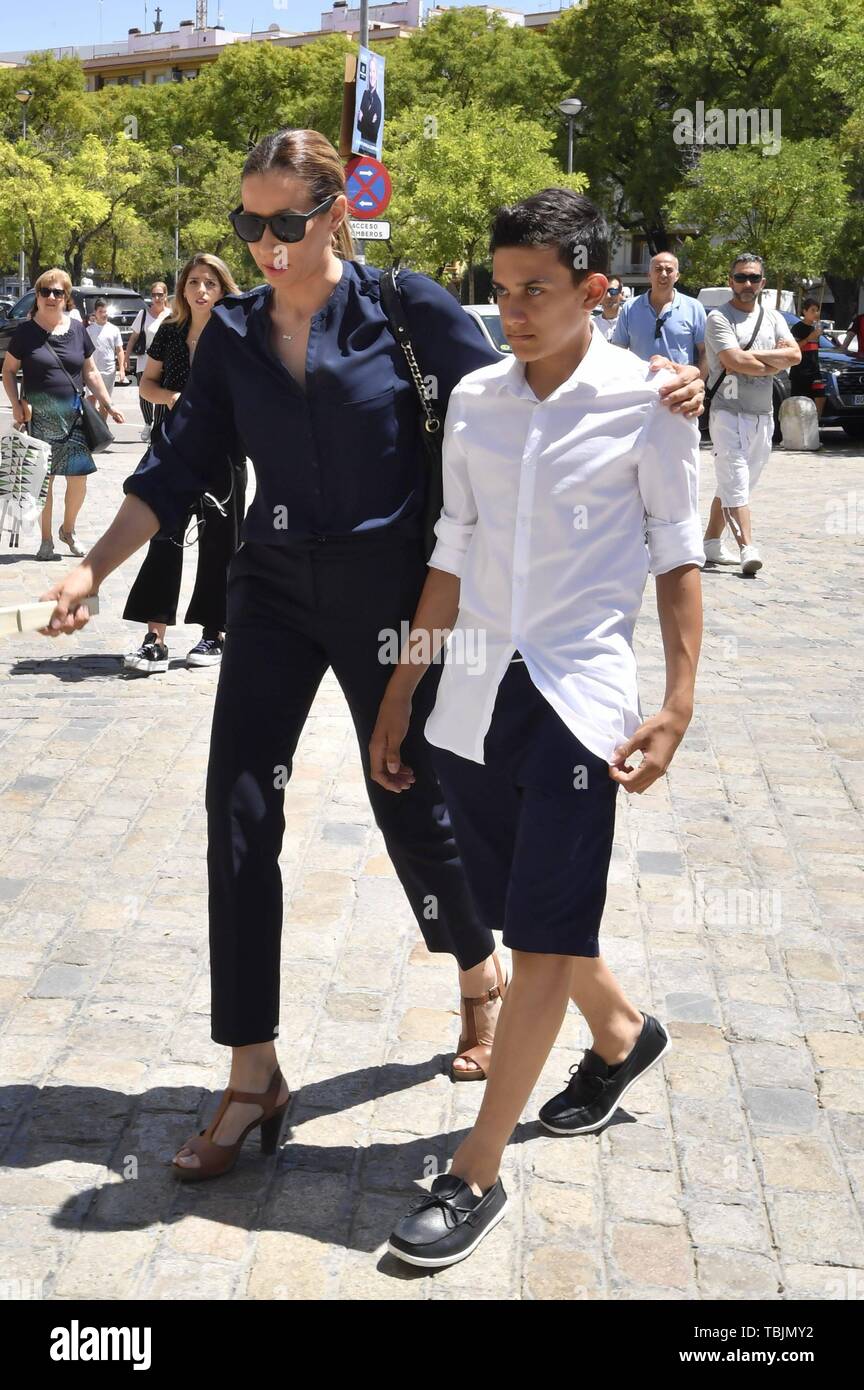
393,306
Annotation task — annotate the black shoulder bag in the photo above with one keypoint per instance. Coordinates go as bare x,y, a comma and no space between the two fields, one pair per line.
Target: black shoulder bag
96,432
391,303
711,391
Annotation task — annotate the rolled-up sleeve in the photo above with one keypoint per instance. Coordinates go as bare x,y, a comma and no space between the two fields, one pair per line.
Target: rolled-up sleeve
668,472
188,455
455,526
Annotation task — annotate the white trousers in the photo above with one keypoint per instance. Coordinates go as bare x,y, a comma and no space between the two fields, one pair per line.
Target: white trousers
742,447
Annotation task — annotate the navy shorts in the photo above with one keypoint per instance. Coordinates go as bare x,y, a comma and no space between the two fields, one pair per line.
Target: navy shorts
534,824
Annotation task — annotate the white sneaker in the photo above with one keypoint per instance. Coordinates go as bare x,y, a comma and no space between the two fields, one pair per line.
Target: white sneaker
751,560
144,435
716,554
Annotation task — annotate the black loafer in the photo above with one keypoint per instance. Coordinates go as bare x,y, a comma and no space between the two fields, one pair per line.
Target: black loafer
447,1223
595,1091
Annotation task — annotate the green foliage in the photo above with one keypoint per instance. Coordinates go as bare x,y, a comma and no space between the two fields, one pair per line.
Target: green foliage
452,167
494,92
790,207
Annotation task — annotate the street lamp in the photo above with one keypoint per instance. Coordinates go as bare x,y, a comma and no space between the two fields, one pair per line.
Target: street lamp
570,107
23,95
176,150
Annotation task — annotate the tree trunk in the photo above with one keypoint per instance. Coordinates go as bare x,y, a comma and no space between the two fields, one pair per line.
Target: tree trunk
113,276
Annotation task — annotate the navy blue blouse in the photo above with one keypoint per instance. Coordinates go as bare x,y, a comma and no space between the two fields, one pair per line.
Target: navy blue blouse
343,456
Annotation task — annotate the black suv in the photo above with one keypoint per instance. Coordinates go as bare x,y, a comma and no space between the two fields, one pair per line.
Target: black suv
124,305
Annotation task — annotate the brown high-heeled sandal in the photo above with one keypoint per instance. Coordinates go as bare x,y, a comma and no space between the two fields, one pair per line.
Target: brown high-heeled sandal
215,1159
479,1017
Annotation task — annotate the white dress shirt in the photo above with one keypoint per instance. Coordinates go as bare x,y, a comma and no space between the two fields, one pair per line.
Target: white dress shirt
553,513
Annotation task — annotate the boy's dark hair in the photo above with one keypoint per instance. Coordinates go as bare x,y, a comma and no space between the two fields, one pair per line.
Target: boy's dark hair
100,304
809,304
561,218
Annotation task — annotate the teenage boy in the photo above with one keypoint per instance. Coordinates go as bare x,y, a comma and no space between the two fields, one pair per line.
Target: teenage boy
565,481
747,344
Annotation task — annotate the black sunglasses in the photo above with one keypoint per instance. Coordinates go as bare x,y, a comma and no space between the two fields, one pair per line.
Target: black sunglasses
746,279
52,293
614,289
285,226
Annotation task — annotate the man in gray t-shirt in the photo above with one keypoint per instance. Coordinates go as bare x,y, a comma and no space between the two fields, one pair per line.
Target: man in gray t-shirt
741,423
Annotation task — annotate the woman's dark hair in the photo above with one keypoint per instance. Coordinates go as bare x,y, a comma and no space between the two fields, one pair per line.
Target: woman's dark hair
561,218
309,156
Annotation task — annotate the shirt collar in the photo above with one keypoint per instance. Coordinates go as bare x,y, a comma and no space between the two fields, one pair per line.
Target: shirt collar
595,369
667,309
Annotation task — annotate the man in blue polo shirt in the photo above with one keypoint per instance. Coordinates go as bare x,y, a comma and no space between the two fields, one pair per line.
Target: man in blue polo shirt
663,320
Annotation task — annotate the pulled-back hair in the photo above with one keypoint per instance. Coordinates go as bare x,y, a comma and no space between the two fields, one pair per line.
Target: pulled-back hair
561,218
307,155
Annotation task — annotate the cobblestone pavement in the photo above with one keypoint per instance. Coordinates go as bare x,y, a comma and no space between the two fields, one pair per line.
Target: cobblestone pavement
734,912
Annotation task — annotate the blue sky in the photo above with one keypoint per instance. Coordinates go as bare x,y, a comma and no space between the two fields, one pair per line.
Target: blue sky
54,23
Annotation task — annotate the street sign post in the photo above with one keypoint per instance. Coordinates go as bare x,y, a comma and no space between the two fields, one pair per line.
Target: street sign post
369,231
368,186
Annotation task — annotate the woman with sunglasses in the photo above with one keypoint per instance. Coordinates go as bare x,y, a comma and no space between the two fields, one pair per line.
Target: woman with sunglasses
605,316
305,371
50,347
153,599
142,335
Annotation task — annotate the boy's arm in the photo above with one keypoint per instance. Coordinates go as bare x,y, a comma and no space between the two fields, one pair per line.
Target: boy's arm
668,474
679,606
437,610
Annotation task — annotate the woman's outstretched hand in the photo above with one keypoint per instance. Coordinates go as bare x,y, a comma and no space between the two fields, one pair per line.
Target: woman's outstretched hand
68,593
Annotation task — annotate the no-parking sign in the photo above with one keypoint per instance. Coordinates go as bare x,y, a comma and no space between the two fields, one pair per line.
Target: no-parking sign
368,186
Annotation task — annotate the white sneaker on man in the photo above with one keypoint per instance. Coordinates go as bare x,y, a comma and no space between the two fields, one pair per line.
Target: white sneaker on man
751,560
716,553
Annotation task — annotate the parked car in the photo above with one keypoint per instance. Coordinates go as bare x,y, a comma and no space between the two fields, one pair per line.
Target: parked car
488,320
124,305
843,375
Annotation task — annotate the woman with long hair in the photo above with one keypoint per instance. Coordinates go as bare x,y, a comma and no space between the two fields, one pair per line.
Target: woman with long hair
153,599
305,374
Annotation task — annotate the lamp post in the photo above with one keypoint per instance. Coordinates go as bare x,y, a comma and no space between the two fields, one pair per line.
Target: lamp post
176,150
23,96
570,107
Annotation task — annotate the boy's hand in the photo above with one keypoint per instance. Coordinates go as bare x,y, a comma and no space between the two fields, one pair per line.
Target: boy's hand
657,740
385,746
685,395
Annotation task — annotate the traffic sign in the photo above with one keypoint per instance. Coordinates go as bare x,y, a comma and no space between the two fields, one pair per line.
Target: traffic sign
370,231
368,186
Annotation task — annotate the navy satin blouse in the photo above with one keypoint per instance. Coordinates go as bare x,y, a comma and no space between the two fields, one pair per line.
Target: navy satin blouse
345,455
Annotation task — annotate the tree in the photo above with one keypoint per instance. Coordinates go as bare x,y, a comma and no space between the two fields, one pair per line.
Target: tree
634,66
469,55
789,207
452,168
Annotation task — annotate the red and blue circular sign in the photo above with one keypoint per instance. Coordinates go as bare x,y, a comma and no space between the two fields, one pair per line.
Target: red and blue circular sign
368,187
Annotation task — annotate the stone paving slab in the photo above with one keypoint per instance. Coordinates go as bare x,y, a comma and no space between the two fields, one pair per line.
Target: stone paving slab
734,912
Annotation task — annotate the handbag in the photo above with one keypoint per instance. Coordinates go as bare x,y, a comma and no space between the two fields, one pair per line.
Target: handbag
139,347
25,465
96,431
711,391
391,303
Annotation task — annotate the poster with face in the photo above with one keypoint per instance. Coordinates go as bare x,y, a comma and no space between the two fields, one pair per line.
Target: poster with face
369,104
